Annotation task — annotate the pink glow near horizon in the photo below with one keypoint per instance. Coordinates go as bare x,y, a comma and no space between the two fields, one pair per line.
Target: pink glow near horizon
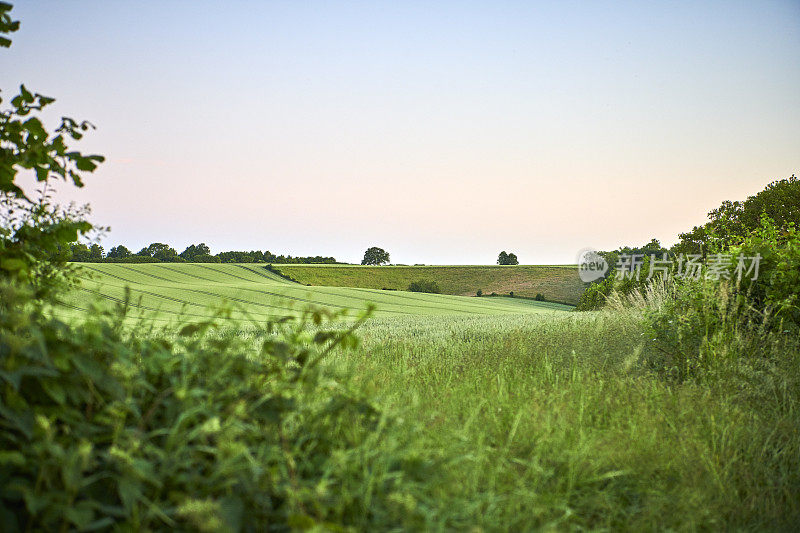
442,134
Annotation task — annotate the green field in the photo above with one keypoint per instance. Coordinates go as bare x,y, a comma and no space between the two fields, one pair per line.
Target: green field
498,413
165,292
556,283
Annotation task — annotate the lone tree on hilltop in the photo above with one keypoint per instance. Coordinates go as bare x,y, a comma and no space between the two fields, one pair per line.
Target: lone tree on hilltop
375,256
507,259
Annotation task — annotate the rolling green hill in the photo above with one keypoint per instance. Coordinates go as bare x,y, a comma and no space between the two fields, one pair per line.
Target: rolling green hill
165,291
556,283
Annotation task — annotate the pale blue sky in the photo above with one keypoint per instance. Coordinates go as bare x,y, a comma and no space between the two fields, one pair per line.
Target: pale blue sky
441,131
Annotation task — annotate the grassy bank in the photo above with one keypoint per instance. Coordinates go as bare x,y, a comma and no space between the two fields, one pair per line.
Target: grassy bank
556,283
538,421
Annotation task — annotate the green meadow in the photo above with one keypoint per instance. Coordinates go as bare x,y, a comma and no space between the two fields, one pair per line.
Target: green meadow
556,283
498,414
164,292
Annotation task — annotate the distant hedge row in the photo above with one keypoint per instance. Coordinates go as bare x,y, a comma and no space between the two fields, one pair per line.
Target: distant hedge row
195,253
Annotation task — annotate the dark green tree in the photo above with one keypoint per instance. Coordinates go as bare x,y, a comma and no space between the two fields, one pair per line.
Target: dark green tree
167,255
780,201
375,256
157,247
79,252
118,252
195,250
96,253
507,259
160,251
732,222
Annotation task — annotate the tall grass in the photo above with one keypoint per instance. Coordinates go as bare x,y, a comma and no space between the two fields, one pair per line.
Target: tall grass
562,422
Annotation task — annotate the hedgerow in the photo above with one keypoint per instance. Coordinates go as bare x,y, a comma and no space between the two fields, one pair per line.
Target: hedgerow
102,427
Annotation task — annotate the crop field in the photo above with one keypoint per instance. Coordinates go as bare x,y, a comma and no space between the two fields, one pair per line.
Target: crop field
507,413
559,283
166,292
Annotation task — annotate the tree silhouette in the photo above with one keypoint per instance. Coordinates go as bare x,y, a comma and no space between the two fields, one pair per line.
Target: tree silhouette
375,256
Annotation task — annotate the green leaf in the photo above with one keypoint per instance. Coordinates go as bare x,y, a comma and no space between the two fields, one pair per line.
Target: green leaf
323,337
85,164
54,390
12,458
26,95
80,514
129,492
301,521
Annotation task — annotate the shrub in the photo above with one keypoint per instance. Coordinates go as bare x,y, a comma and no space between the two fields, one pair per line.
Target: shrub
680,324
424,286
101,428
479,293
775,292
694,324
539,297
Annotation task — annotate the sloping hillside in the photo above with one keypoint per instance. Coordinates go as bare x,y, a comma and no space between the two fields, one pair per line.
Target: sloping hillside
163,291
556,283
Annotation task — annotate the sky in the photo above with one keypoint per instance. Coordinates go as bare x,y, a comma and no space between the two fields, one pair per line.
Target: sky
443,132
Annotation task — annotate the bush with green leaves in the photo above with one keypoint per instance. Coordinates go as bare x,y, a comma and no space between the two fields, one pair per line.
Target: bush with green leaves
690,313
597,293
426,286
692,322
775,293
99,427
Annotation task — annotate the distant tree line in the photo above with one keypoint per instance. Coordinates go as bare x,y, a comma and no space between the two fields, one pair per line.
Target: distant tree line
158,252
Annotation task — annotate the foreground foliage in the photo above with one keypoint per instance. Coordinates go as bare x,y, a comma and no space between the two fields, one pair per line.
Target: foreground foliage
103,428
515,422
